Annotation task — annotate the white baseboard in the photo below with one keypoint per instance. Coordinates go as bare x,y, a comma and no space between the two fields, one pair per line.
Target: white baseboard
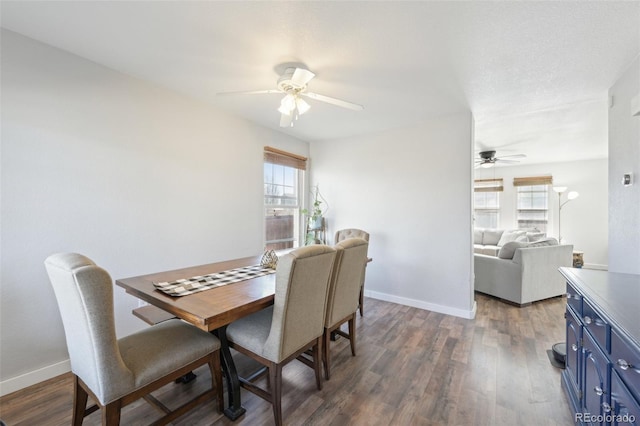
596,266
448,310
33,377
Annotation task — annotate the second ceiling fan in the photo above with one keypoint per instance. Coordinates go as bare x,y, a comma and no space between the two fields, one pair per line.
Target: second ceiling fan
488,159
293,84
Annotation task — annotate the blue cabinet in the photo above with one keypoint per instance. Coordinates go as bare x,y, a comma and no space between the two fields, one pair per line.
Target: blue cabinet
602,374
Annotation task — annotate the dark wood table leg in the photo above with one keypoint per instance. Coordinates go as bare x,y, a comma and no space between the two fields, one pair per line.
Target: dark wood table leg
235,408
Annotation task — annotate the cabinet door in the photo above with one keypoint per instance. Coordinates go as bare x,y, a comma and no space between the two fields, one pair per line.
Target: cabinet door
626,362
626,410
574,349
595,380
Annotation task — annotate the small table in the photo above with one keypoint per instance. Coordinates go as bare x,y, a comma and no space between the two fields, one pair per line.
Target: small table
211,310
578,260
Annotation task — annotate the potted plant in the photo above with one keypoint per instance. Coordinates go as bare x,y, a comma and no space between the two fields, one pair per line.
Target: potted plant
316,213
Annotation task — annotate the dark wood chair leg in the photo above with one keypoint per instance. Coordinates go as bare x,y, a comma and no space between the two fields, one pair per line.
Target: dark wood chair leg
352,333
275,376
111,413
317,361
361,307
79,402
326,354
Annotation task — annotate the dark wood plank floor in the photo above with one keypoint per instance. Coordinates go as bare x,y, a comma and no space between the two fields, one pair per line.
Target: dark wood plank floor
414,367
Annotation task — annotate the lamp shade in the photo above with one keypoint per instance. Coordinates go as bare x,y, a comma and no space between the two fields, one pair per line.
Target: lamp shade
559,189
287,104
573,195
302,106
283,110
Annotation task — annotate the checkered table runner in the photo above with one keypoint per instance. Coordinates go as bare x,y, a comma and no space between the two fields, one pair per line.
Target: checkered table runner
199,283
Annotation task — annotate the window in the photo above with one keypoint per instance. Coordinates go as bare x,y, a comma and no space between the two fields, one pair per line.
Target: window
283,180
487,202
532,205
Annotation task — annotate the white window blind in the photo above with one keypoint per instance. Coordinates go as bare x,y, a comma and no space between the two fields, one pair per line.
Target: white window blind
487,202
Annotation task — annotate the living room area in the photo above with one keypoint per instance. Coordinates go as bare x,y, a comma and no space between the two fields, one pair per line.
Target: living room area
542,205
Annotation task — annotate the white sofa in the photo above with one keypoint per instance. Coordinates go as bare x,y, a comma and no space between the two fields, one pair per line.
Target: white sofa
530,275
489,241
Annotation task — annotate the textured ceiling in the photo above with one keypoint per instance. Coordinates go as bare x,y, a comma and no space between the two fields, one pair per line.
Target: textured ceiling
534,74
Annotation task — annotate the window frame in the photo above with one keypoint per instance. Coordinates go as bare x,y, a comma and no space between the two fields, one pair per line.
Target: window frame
282,159
539,224
484,187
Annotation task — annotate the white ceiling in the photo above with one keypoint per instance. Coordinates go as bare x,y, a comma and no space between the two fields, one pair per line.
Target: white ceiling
534,74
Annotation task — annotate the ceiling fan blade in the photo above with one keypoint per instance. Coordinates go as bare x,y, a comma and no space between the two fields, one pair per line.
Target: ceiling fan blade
249,92
333,101
514,156
301,77
285,120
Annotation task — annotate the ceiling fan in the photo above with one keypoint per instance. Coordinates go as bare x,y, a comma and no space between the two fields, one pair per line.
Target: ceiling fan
488,159
293,84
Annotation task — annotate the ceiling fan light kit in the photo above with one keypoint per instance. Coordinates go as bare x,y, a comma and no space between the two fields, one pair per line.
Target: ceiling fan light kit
293,83
293,107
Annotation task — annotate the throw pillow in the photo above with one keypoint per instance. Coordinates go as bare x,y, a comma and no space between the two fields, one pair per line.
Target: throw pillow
536,236
508,250
508,236
477,235
491,236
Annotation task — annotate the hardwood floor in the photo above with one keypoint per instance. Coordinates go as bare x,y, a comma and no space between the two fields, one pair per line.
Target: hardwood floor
414,367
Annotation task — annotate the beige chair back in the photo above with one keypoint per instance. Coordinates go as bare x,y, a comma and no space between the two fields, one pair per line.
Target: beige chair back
302,286
85,297
344,234
346,279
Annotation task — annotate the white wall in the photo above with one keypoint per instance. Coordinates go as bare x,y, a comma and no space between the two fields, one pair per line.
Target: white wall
136,177
584,220
410,189
624,157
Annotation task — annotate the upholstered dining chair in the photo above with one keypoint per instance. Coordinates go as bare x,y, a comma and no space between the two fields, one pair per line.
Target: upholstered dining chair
294,324
344,234
344,294
116,372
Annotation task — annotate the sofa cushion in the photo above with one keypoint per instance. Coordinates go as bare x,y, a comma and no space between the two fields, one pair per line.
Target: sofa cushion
491,237
487,250
510,235
477,235
508,250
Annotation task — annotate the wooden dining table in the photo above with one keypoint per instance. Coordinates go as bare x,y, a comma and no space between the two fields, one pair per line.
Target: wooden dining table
211,310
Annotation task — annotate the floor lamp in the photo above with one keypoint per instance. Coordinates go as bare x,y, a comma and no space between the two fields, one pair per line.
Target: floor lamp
572,195
559,350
